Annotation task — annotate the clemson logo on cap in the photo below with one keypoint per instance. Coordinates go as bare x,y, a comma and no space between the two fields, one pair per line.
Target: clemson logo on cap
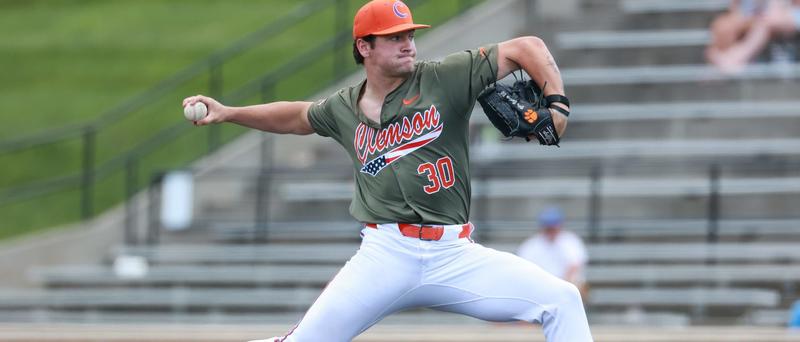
400,9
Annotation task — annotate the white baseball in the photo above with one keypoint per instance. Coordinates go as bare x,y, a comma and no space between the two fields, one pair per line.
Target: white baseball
195,112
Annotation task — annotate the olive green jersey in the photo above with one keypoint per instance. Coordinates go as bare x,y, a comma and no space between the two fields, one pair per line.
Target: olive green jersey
413,166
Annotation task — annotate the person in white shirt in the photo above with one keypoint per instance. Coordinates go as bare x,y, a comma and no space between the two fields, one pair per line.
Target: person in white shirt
557,251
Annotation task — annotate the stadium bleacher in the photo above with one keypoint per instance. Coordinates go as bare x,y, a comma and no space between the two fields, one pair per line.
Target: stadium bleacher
654,127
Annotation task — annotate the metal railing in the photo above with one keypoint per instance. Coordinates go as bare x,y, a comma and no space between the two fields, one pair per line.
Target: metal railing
91,171
707,218
212,67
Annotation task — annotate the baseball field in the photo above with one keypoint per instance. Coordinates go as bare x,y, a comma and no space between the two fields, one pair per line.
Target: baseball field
392,196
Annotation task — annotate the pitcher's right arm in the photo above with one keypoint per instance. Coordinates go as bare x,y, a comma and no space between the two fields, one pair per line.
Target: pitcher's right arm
276,117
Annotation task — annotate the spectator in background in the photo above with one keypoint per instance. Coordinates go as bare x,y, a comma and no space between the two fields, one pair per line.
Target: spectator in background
741,33
557,251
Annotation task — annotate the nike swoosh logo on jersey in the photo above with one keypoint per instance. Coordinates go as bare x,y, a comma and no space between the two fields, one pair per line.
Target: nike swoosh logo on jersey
410,101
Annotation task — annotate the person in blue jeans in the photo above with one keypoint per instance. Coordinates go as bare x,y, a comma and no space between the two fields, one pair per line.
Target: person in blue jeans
794,319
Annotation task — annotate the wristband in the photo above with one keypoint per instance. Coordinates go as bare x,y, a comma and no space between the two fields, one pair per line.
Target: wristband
561,110
557,98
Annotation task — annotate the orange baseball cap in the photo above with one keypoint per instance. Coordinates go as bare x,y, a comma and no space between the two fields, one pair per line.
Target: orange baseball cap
383,17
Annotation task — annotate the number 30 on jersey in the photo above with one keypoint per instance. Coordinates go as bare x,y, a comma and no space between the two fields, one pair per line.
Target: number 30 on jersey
440,175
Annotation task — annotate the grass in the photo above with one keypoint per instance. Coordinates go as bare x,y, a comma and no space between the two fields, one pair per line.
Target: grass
70,61
74,59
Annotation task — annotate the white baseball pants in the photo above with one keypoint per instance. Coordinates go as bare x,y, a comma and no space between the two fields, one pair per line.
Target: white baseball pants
391,272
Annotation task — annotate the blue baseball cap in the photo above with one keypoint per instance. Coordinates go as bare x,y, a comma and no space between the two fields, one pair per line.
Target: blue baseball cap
550,217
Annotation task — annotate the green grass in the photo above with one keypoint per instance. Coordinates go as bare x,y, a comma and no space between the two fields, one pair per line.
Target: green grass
67,61
70,61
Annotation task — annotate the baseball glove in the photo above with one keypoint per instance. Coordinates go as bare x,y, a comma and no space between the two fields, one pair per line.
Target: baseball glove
521,110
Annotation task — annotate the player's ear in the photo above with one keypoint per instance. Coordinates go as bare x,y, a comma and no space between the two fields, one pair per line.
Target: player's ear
364,47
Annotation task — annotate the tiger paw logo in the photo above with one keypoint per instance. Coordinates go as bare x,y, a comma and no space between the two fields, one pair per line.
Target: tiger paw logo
400,9
531,116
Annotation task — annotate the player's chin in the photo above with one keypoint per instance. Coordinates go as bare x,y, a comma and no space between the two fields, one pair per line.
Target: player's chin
410,60
404,68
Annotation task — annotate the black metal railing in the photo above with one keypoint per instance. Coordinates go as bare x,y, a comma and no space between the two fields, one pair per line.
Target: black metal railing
597,221
212,67
91,171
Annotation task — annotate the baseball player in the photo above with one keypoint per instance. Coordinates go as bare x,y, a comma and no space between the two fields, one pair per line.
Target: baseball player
405,130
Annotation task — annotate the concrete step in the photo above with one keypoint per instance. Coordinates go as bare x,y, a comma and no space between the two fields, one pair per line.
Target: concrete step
297,300
767,317
513,226
684,297
766,275
689,129
618,149
338,226
681,83
622,57
691,207
673,110
579,187
603,15
608,15
756,157
232,254
676,175
621,199
510,220
665,20
312,276
223,230
629,198
276,255
636,208
199,319
673,7
666,75
754,127
640,318
629,48
165,300
639,39
160,276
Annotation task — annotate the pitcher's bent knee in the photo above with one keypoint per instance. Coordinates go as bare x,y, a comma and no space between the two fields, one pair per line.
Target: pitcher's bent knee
569,297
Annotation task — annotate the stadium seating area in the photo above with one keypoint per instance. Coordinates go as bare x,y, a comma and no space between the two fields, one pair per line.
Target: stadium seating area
685,182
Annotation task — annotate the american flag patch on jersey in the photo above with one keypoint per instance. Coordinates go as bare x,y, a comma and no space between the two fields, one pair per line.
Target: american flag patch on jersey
373,167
